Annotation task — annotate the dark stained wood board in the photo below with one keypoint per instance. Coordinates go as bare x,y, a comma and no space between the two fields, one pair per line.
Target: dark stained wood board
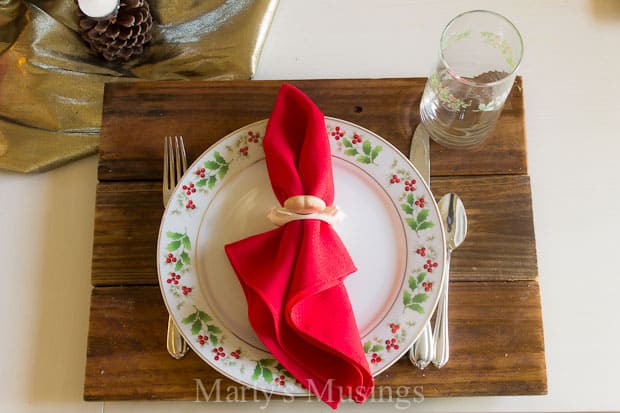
496,347
137,115
497,341
500,244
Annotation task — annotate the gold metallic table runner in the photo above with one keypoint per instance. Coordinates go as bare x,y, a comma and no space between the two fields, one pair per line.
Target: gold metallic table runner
51,84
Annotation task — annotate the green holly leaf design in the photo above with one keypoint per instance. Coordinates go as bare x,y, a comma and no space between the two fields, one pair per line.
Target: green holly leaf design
416,307
204,316
213,339
211,182
364,159
267,375
367,148
412,223
201,183
407,208
212,165
406,298
173,246
367,346
351,152
280,368
412,283
197,326
174,235
213,329
219,159
185,257
422,216
267,362
347,143
190,318
421,277
425,225
257,372
419,298
187,244
376,347
410,199
222,172
375,152
178,266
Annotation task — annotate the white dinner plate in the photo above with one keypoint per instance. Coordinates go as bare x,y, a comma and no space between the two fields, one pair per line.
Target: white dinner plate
392,230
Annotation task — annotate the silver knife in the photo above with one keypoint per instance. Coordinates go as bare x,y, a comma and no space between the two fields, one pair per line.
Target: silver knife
423,350
419,153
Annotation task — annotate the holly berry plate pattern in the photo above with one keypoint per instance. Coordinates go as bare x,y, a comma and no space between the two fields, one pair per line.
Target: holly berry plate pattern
392,230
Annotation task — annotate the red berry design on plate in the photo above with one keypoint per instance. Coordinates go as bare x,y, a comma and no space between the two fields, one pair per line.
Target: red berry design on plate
337,133
375,358
356,139
394,327
253,137
430,265
281,380
189,189
236,354
244,150
421,251
185,290
391,344
427,286
420,202
174,278
409,185
395,179
190,205
202,340
219,353
170,258
200,172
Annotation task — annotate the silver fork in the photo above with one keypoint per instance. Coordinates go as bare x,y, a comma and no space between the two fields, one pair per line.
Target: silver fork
175,165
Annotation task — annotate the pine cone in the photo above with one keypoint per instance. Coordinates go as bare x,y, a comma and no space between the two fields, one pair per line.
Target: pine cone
122,35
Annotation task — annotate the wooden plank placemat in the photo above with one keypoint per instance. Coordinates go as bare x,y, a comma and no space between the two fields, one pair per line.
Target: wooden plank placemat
495,319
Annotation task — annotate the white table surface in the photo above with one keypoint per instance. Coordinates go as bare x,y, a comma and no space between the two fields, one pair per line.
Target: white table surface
572,101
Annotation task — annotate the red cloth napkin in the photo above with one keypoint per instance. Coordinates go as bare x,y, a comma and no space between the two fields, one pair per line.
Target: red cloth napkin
292,276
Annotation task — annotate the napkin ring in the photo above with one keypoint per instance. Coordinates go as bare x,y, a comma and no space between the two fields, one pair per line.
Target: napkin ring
302,207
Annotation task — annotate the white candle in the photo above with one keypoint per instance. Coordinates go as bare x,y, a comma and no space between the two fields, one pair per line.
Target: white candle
98,9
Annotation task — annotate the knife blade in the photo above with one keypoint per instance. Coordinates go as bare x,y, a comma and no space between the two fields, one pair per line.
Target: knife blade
419,153
423,350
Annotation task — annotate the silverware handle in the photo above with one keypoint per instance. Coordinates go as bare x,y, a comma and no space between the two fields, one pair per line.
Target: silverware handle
422,352
442,336
175,343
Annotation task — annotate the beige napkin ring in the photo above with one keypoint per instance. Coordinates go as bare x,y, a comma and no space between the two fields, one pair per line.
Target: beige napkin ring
302,207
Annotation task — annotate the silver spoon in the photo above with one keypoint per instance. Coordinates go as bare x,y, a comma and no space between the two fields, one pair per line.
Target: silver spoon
455,225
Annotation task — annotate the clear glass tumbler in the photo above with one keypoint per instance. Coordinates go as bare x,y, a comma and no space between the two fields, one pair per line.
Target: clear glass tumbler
479,54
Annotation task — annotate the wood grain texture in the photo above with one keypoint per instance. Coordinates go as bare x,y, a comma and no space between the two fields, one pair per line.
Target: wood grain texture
496,328
137,115
500,242
496,338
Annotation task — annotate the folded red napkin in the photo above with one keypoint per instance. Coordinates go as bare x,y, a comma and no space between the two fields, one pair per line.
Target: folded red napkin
292,276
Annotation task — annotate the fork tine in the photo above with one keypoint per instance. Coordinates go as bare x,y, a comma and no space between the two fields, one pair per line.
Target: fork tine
183,155
177,160
166,181
171,165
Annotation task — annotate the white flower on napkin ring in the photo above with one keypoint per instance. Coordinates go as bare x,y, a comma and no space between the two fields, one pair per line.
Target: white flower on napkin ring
301,207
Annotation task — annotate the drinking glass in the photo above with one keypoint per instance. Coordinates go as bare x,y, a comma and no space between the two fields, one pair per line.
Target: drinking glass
479,54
